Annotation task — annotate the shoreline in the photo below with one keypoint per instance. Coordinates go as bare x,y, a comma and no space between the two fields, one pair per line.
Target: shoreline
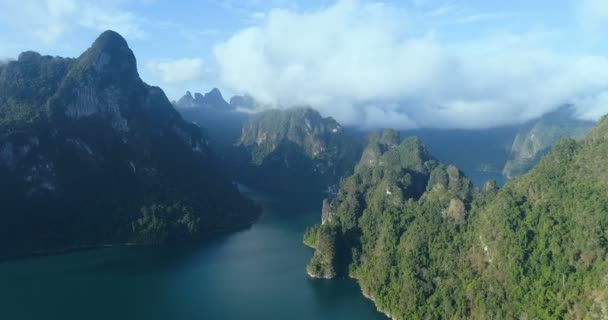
65,250
307,245
369,297
314,276
73,249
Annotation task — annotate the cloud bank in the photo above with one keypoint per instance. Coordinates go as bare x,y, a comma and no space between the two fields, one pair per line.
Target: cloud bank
48,20
367,64
177,71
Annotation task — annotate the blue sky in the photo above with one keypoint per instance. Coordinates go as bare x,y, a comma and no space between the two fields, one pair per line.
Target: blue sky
428,63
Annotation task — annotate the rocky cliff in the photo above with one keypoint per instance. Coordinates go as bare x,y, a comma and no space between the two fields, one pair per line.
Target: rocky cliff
536,138
299,147
90,154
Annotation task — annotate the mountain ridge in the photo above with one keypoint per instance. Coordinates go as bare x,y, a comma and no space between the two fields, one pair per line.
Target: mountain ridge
535,248
93,155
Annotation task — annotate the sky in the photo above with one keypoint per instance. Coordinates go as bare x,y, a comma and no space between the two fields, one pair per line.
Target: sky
401,64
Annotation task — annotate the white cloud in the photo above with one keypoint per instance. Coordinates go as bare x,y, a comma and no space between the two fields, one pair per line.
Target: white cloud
593,14
176,71
352,55
100,19
49,20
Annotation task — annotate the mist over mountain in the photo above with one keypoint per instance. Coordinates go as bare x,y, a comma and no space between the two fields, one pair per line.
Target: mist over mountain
442,159
246,102
536,138
484,154
211,99
366,64
424,244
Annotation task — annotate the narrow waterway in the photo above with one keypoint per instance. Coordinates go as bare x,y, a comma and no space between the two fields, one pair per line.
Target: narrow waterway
258,273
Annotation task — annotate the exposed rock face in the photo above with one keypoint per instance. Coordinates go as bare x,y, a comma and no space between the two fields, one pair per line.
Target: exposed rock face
392,174
86,145
326,211
299,144
456,210
455,252
186,102
490,186
378,143
536,139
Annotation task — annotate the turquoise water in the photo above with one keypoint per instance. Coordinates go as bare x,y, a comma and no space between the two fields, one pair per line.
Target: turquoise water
258,273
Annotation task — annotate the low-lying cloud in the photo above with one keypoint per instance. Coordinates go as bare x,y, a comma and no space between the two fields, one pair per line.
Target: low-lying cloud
367,64
178,70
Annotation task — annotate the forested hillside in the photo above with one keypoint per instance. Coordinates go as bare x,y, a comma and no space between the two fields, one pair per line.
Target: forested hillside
424,244
90,155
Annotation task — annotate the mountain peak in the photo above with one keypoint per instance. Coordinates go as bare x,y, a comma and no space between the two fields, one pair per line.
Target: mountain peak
215,92
110,53
28,56
111,38
215,99
211,100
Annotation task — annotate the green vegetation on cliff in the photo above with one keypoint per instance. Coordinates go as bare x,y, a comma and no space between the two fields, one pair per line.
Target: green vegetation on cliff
536,139
298,149
90,155
424,244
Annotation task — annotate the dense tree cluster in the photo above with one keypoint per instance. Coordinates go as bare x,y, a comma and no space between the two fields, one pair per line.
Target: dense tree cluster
424,244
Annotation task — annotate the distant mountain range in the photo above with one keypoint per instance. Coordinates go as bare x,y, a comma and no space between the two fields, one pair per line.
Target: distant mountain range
495,153
91,155
212,99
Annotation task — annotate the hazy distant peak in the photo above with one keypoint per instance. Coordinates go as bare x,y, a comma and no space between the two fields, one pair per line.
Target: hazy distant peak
212,99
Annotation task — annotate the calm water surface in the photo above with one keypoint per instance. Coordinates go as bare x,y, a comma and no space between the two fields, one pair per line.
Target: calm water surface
258,273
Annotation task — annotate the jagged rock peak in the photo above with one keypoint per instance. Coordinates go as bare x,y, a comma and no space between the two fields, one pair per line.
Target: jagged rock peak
212,99
214,93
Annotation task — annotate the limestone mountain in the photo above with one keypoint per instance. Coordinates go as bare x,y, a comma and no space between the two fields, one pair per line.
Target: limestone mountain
536,138
535,249
243,102
90,155
392,175
212,100
298,147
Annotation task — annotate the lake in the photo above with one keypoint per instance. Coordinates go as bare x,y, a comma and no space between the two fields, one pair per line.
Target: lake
258,273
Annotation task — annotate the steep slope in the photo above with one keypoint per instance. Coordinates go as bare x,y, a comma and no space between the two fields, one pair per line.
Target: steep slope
535,249
548,232
298,149
90,154
223,127
373,207
535,139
